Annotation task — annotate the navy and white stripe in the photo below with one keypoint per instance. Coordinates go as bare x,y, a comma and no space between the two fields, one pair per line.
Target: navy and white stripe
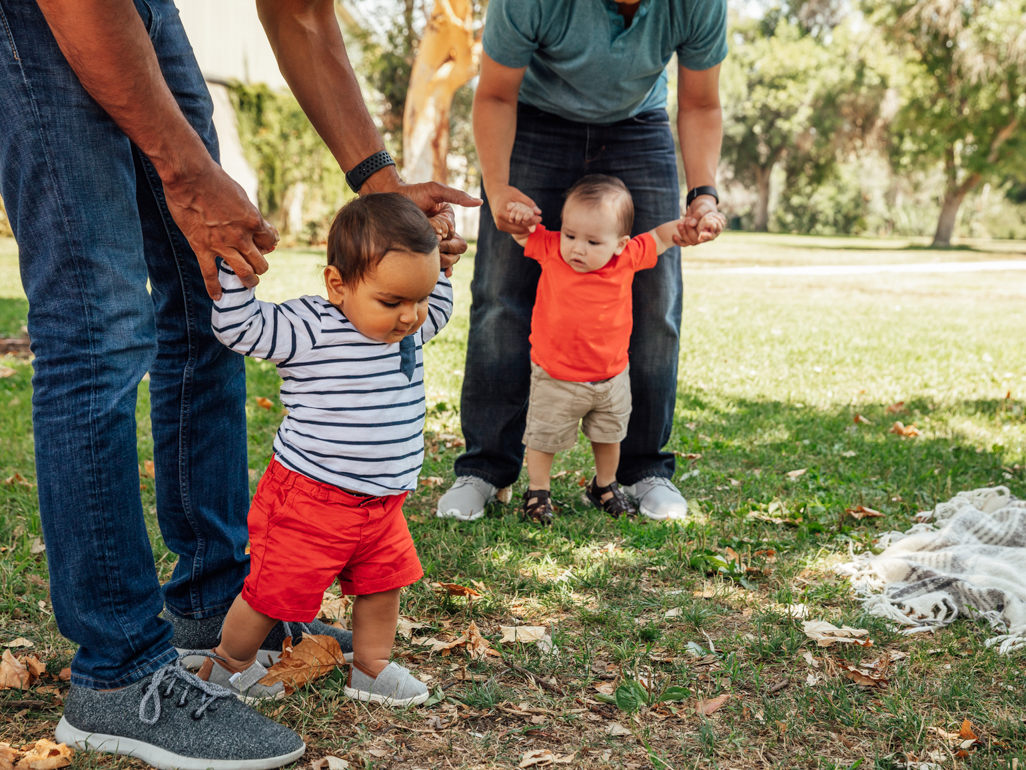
355,420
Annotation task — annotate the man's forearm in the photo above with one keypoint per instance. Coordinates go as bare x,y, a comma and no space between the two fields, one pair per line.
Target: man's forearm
701,136
307,42
102,41
495,128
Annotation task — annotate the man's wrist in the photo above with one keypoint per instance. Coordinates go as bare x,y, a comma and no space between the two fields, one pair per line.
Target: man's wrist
384,180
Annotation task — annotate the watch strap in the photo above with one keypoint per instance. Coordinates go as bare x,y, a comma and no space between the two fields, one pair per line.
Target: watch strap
356,176
706,189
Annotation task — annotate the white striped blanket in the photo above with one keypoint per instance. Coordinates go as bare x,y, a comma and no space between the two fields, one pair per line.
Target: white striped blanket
966,558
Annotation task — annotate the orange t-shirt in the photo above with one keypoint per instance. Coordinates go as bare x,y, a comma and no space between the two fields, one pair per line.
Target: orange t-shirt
581,326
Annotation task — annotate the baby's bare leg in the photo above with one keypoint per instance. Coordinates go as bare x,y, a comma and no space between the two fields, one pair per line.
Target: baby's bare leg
607,460
375,617
244,630
539,468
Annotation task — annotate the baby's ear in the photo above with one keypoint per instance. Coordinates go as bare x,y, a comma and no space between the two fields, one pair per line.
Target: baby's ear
621,244
334,284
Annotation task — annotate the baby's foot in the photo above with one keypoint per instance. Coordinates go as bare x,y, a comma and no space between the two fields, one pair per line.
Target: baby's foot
394,686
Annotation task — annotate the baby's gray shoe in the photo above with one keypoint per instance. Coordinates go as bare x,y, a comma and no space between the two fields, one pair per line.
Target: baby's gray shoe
394,686
466,499
245,685
175,721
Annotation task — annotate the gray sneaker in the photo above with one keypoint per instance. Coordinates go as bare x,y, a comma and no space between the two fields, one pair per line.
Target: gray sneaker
175,721
466,499
205,634
394,686
658,498
245,685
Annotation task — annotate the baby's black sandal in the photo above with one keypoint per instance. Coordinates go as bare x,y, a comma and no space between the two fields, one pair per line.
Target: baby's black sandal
538,506
616,505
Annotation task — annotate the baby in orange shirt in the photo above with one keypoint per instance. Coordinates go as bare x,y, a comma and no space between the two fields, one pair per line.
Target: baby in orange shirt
580,332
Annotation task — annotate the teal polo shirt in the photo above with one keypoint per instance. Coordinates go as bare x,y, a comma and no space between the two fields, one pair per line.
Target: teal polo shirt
583,64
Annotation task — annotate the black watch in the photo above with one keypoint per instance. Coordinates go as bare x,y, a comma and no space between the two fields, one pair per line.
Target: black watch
363,170
706,189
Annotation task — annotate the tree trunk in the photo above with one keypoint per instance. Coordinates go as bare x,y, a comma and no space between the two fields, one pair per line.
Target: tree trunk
447,58
953,197
762,187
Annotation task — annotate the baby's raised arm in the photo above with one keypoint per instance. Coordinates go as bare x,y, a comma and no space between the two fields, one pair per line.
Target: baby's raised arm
519,214
709,226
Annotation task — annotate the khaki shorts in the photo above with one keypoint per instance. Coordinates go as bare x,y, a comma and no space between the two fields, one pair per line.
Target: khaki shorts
557,406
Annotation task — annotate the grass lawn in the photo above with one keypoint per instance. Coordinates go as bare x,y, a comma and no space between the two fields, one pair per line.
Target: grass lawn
773,371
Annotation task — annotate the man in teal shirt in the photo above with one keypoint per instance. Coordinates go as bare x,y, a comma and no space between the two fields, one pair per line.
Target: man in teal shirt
568,88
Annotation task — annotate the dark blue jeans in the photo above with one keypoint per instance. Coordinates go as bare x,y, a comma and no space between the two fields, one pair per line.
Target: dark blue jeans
92,227
549,155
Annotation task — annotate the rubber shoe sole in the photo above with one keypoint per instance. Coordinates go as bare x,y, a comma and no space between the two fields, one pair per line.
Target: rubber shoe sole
161,758
386,700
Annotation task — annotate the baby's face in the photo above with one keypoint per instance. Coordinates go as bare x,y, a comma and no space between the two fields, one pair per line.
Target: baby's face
590,235
391,302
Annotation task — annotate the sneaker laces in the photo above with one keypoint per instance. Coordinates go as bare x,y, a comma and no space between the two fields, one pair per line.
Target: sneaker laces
659,481
172,674
480,485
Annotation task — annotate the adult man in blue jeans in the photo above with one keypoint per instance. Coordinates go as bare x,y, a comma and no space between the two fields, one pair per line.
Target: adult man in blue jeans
108,168
569,89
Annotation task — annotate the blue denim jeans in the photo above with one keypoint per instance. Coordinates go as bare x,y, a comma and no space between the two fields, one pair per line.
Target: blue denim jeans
549,155
92,227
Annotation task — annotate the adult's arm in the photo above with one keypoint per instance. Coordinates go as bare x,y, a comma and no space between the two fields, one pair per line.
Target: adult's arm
700,127
110,51
306,40
495,127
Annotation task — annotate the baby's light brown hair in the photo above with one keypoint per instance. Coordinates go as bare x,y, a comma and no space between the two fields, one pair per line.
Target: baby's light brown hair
596,188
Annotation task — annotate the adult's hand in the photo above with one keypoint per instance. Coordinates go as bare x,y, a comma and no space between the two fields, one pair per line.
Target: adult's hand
218,220
499,198
701,223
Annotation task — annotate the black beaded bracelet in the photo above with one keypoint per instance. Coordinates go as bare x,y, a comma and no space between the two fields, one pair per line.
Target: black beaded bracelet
363,170
706,189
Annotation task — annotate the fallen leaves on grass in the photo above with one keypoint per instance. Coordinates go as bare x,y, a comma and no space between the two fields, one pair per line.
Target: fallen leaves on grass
476,645
334,609
896,407
707,707
44,755
148,469
16,479
825,634
860,420
21,641
6,371
796,474
454,589
905,431
504,495
543,757
525,634
432,481
863,677
329,763
615,728
406,627
862,512
19,674
264,403
313,657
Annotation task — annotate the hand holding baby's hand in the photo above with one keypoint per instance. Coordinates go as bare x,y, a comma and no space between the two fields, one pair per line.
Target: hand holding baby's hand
519,213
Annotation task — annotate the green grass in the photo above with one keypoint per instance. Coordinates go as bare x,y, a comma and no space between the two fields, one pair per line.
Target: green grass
773,371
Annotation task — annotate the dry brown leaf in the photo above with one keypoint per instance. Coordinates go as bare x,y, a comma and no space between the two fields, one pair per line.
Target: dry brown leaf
17,479
676,612
606,688
454,589
38,546
523,634
263,403
826,634
860,420
21,641
477,645
379,753
707,707
313,657
543,757
65,674
334,609
896,407
966,733
7,754
615,728
6,371
862,677
504,495
405,627
150,469
905,431
13,674
796,474
329,763
432,481
862,512
46,755
35,666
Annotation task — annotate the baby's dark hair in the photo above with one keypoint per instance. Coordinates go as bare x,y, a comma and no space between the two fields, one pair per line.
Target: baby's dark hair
596,188
367,228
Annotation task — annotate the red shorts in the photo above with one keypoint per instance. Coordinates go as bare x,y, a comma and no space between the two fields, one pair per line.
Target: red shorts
304,534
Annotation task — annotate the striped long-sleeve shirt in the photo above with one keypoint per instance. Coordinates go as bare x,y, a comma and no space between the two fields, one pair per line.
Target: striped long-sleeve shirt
356,413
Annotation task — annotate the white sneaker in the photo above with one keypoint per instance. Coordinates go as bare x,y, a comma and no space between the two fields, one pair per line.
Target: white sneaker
658,498
466,499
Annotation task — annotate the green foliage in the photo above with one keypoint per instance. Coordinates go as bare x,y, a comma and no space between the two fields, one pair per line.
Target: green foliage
827,202
285,151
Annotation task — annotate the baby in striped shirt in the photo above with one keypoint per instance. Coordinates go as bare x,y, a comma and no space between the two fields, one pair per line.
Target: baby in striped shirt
350,448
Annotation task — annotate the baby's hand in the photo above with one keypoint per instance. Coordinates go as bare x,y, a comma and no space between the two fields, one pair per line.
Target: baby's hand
710,226
519,213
